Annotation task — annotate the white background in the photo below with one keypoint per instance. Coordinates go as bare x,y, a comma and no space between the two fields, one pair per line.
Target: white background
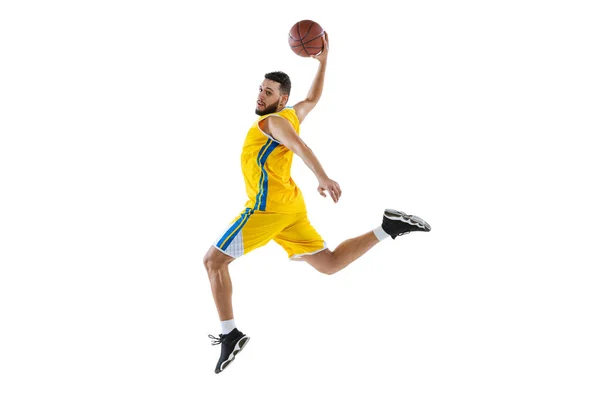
121,126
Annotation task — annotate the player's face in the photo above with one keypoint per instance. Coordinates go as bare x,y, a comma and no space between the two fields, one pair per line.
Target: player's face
269,98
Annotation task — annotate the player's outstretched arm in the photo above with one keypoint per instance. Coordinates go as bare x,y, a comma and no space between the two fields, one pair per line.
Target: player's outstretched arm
316,89
282,131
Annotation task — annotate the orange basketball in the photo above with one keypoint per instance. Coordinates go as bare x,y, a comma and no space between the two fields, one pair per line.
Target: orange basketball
305,38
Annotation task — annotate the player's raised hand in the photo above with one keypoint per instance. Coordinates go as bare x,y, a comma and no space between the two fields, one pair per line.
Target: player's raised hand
322,56
330,186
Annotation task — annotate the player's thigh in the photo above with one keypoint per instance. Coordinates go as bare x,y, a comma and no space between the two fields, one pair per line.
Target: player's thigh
300,239
248,231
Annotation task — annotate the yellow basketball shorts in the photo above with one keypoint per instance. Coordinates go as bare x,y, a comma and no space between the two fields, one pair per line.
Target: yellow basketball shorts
253,229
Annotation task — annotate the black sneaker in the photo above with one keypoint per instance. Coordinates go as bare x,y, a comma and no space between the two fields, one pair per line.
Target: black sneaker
231,344
396,223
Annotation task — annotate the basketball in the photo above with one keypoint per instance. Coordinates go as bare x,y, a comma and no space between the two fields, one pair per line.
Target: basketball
305,38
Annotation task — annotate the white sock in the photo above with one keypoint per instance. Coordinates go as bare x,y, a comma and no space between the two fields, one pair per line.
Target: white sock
380,233
227,326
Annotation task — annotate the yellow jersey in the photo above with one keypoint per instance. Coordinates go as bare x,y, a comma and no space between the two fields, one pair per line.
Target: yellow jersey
266,165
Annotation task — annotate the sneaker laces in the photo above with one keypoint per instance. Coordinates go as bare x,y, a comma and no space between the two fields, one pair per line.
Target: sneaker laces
216,341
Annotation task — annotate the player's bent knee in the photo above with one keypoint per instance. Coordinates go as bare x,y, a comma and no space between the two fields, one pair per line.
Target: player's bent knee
327,271
212,266
214,260
325,262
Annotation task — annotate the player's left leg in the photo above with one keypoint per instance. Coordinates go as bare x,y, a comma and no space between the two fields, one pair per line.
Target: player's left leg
395,223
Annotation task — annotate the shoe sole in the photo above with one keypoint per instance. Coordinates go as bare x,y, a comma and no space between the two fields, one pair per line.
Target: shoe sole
239,346
409,219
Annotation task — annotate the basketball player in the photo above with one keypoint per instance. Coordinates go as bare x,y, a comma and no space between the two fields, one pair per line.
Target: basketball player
275,209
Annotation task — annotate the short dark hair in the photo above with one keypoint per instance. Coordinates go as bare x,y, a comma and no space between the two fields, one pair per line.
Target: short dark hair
283,79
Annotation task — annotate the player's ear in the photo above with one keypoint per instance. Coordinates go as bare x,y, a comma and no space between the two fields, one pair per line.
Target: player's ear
284,100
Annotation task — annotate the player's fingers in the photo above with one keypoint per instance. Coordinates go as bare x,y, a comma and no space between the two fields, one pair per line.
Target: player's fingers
334,195
335,189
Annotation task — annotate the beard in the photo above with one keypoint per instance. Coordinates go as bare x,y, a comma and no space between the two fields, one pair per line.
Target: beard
268,109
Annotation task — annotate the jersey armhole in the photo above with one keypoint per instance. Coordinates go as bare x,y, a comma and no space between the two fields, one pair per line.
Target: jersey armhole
265,133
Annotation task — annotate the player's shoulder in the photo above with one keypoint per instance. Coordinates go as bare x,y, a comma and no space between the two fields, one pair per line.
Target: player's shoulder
287,113
284,119
288,110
